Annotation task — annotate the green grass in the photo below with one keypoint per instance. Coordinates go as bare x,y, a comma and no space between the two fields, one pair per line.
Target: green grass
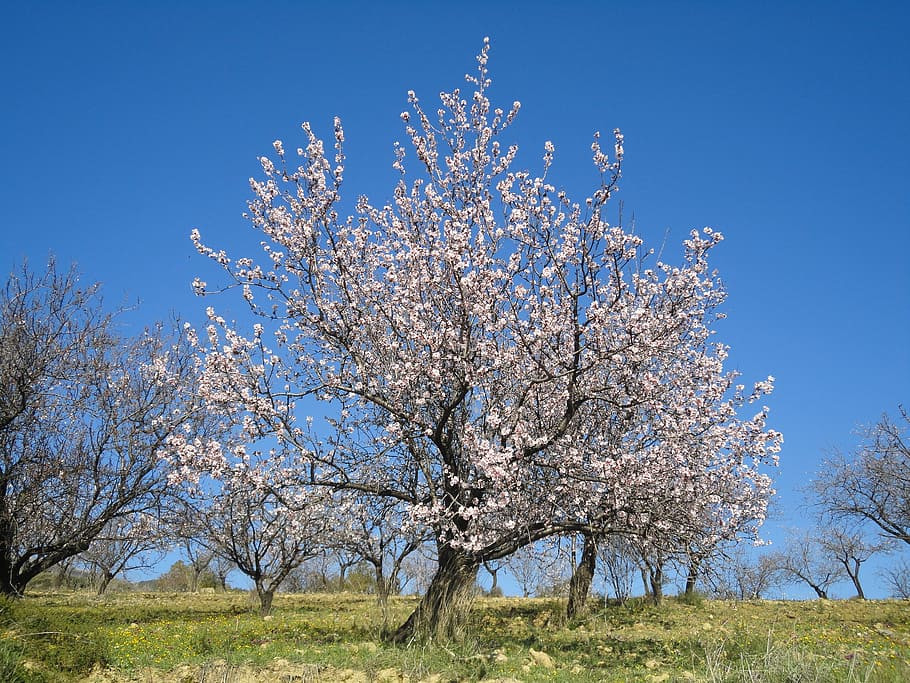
179,637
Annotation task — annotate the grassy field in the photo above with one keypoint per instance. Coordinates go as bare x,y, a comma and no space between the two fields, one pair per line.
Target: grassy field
187,638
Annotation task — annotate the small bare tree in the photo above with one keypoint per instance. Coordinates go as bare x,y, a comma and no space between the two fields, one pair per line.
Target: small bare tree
618,560
256,530
804,559
532,566
897,577
851,548
378,535
221,567
125,544
739,575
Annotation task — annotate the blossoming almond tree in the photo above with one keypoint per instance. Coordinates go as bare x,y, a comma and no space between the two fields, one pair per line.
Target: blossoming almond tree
495,356
261,525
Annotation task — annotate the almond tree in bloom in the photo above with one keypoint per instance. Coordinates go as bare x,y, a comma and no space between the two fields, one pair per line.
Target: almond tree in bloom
493,355
260,532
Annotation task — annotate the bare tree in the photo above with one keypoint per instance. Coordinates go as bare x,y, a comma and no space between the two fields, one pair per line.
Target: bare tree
873,484
739,575
532,565
493,567
418,568
198,558
897,578
261,535
379,536
83,414
221,567
851,548
804,559
125,544
618,560
189,533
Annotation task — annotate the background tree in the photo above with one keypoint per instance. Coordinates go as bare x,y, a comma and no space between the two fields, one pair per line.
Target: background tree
124,544
83,414
872,484
805,559
377,533
494,356
851,548
897,577
221,568
493,568
265,531
188,533
740,575
182,578
618,564
530,565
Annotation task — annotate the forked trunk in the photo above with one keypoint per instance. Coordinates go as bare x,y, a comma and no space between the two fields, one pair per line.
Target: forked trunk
580,584
853,573
441,613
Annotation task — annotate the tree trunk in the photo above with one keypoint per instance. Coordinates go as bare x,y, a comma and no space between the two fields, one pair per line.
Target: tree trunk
441,612
854,577
60,577
819,591
657,584
265,599
691,578
104,581
580,583
382,584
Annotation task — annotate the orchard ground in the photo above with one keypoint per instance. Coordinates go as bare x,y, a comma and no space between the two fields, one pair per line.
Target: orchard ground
337,637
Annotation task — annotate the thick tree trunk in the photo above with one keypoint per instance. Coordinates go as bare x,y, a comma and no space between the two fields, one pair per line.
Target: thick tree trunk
265,599
441,613
382,584
657,584
104,581
580,583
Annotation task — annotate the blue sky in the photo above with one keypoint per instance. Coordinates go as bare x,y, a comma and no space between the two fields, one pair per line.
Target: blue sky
125,125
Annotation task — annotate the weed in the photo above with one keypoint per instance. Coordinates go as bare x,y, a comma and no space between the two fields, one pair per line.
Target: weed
321,637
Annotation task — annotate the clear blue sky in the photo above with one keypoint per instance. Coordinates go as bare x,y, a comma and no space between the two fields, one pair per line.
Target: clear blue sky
784,125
